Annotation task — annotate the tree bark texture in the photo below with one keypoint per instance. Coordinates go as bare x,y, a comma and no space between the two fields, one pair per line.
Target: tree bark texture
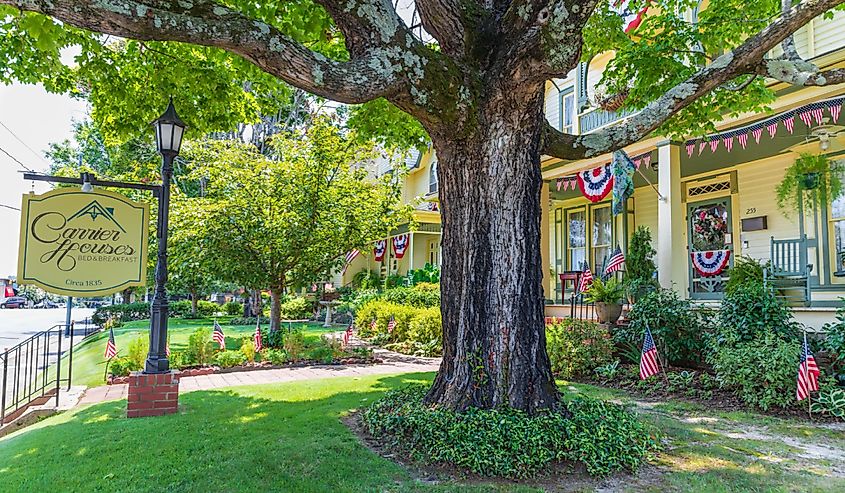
276,308
195,299
494,341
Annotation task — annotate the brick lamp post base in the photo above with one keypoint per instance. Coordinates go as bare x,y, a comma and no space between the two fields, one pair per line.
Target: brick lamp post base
152,394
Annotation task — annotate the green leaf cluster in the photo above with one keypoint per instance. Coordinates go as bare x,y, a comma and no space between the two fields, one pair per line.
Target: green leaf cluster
812,179
510,443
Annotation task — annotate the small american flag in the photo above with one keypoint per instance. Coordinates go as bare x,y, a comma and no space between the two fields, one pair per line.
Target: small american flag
391,324
349,258
648,360
615,263
347,334
373,325
808,373
257,339
167,348
218,336
586,279
111,347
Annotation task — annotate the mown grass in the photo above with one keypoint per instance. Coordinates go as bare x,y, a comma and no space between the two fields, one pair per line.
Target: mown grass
289,437
89,364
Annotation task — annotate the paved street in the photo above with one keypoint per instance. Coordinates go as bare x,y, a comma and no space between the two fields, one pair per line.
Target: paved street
16,325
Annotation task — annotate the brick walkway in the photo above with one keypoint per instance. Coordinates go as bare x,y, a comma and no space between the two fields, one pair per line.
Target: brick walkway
393,363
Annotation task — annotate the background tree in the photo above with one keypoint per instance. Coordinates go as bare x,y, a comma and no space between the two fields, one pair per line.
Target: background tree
477,90
274,223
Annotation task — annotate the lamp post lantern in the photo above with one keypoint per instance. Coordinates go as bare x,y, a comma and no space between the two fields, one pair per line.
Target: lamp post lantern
169,130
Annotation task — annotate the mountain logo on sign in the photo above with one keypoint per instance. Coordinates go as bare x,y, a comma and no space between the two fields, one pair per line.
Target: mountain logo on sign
95,210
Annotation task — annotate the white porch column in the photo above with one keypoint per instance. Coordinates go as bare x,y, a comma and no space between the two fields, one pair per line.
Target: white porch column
671,243
545,245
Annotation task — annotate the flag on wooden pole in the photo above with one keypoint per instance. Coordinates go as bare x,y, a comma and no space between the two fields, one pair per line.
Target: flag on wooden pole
111,346
808,373
648,360
615,263
350,256
391,324
218,336
586,279
346,335
257,339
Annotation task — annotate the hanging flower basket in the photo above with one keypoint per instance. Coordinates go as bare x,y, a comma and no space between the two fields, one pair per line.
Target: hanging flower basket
613,102
811,181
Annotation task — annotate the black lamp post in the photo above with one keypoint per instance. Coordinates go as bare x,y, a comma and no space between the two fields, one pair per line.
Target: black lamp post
169,129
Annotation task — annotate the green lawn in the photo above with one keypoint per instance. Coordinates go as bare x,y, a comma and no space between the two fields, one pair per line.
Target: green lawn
288,437
89,364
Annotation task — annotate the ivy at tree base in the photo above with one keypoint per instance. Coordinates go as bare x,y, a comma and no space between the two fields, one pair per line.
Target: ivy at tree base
509,443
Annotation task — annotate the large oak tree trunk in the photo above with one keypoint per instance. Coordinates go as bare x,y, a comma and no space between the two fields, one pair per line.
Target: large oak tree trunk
494,344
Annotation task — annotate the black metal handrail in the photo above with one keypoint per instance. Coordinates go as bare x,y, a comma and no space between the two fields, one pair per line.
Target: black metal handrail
33,368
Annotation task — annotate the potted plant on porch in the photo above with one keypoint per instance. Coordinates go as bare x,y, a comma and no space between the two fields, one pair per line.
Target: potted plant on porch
607,296
810,173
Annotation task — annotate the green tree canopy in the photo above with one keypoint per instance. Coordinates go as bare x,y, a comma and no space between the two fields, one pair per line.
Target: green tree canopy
276,223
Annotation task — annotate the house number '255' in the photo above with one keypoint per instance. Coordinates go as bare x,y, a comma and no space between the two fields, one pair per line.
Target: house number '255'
751,210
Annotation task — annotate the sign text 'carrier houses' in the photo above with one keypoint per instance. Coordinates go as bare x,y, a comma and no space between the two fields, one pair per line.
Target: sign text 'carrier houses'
83,244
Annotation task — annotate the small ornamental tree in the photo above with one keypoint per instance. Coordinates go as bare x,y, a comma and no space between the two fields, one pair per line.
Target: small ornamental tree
273,223
474,82
639,264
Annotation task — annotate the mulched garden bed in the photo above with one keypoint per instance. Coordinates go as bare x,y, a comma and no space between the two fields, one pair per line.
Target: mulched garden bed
657,389
263,365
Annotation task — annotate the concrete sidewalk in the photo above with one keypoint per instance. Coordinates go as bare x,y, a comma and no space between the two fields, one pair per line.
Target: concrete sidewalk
393,363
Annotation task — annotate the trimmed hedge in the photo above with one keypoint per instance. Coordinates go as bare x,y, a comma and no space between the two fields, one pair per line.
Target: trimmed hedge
577,347
509,443
417,330
125,312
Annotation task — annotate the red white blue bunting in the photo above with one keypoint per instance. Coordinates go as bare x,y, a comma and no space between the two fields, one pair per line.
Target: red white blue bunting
574,181
811,115
711,262
400,244
596,183
378,250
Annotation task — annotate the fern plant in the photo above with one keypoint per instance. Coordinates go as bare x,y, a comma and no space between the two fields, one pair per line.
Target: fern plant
610,291
810,173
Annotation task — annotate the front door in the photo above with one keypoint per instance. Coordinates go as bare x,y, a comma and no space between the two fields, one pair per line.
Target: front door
709,230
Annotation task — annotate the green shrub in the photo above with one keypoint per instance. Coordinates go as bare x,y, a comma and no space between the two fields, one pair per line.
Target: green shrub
639,264
429,274
426,326
322,353
381,311
123,312
232,308
294,345
678,328
199,349
834,344
248,321
751,311
367,279
177,359
248,349
121,367
507,442
296,309
831,400
206,309
577,347
137,351
228,359
274,356
610,291
746,270
762,371
181,308
423,296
